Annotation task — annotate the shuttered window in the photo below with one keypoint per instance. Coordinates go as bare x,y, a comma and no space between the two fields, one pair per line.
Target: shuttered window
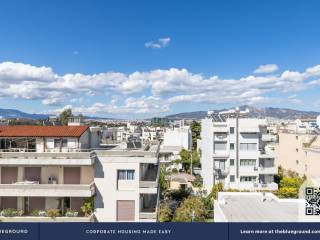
125,210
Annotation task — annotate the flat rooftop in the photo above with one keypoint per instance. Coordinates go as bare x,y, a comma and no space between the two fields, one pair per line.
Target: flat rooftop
254,207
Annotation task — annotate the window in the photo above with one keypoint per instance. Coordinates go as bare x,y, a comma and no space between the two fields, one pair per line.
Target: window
125,174
247,178
231,130
220,146
297,137
297,161
231,162
297,150
219,164
60,143
248,146
130,175
232,178
247,162
231,146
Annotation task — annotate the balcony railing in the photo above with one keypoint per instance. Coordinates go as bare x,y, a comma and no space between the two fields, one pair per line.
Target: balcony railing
47,158
47,219
221,171
268,170
47,190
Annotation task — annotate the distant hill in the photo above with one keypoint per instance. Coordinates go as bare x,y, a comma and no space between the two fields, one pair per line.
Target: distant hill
281,113
12,113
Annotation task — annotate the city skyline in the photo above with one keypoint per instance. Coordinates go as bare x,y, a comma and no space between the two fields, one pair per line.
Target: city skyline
105,59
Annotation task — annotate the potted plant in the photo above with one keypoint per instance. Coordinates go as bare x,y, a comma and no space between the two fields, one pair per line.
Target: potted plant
71,213
87,207
53,213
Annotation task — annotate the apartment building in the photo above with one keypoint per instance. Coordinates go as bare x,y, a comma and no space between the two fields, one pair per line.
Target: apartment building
300,152
42,167
237,152
127,185
60,167
181,137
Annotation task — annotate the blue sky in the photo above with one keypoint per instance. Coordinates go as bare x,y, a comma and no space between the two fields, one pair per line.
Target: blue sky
145,58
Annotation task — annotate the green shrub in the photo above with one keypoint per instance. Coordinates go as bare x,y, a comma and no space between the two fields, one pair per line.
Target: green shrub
35,212
11,212
198,182
215,189
87,207
287,192
191,209
71,213
53,213
165,213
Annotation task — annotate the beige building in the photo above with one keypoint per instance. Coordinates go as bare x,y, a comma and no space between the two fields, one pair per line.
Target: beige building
45,168
299,152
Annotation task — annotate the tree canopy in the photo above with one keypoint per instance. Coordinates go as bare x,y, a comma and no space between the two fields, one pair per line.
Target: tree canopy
65,115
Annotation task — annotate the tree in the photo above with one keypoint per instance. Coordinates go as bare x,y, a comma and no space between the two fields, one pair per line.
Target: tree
198,182
287,182
88,206
165,213
195,130
289,186
279,176
191,209
163,182
185,159
185,156
65,115
180,194
214,191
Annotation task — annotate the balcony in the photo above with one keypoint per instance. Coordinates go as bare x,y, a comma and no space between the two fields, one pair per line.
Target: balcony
24,189
221,154
253,186
268,138
268,170
46,219
149,178
47,158
221,171
148,212
220,137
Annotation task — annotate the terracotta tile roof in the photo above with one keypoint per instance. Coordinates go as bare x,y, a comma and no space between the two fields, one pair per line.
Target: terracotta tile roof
42,131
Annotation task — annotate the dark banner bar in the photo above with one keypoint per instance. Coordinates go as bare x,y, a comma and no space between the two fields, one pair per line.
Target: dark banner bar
163,231
124,231
19,231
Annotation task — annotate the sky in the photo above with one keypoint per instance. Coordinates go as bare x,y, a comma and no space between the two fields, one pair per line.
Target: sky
143,58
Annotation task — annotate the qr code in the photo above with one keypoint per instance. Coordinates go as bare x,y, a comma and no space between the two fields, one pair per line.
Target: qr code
312,201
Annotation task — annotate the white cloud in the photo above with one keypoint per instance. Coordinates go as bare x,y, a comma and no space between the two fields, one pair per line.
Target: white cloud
160,43
160,89
268,68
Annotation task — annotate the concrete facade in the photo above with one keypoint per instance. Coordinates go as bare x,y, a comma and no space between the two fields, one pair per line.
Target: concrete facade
235,153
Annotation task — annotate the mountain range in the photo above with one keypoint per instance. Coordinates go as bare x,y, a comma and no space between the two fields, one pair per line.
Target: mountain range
271,112
13,113
281,113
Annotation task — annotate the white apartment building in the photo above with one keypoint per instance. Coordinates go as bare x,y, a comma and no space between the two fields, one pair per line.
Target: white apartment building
178,137
126,185
236,152
60,167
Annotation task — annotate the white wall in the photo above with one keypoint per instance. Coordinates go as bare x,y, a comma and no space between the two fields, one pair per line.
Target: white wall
178,137
106,186
207,153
